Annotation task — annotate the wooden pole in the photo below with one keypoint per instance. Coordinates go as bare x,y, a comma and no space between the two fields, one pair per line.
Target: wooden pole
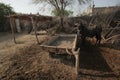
35,30
12,29
76,54
77,63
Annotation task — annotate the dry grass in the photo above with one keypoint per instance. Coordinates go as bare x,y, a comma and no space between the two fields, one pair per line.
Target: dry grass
26,61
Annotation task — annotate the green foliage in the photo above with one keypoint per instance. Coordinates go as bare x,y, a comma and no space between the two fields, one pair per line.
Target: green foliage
65,12
60,5
5,10
84,14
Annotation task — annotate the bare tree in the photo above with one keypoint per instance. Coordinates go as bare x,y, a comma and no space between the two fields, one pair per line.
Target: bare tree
60,5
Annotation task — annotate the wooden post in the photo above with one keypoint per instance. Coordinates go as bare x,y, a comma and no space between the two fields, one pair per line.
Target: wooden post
77,63
12,29
76,54
35,30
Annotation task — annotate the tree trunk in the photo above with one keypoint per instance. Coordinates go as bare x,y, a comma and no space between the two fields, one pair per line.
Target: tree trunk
62,14
62,24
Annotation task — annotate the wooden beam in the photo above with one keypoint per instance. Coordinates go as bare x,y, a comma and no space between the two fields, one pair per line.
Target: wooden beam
12,29
111,31
76,54
35,29
112,37
111,28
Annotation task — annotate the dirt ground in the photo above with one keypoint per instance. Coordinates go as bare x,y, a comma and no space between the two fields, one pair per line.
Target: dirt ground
27,61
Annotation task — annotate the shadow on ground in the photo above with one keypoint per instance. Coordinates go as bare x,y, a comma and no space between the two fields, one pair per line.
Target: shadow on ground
91,60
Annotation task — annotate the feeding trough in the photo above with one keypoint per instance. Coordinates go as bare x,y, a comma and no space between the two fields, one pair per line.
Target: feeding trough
59,43
63,44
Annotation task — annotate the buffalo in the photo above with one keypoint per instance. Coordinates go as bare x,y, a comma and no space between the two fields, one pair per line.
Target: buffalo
90,32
